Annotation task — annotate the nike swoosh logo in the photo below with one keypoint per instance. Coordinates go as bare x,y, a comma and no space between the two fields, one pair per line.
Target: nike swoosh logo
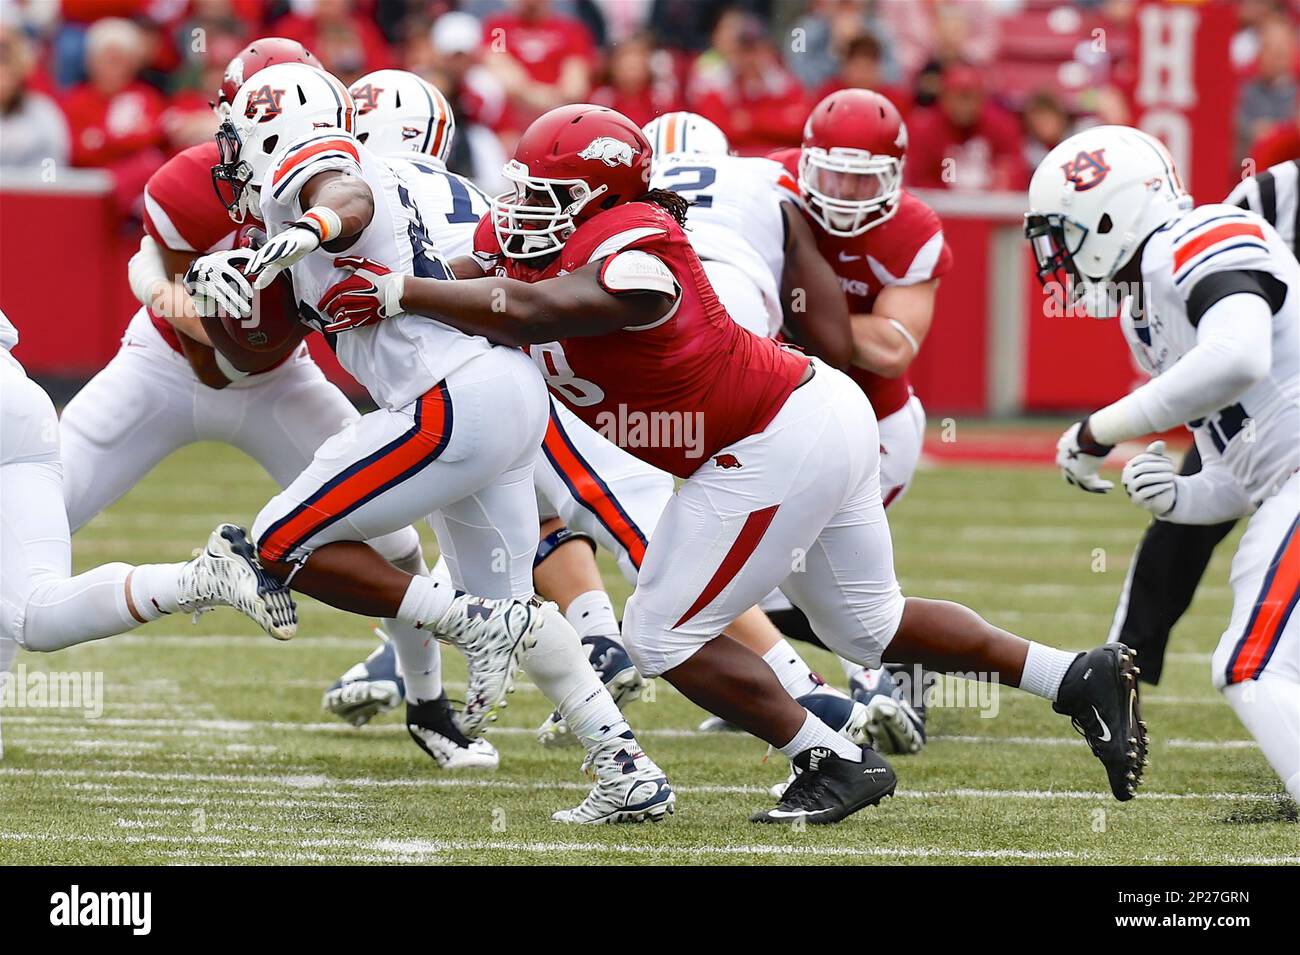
1105,730
782,814
849,258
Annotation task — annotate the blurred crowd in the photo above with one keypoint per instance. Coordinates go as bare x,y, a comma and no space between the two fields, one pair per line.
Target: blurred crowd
986,86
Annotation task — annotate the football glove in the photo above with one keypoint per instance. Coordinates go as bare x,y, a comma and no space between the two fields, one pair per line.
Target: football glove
370,293
282,252
1081,463
217,284
1150,479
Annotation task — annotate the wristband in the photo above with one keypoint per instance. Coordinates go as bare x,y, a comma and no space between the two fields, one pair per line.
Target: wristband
902,330
322,220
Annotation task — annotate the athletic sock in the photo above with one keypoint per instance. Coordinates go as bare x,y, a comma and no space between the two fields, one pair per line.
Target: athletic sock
592,613
850,668
427,599
795,675
155,590
816,733
414,644
1045,669
558,666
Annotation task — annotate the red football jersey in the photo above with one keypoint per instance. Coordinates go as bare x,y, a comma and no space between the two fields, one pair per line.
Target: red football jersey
907,249
674,393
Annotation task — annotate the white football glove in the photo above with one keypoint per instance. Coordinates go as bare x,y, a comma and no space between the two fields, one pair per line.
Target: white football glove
1151,480
1079,465
217,284
282,252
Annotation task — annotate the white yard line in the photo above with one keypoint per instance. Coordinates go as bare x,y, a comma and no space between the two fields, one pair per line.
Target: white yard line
316,782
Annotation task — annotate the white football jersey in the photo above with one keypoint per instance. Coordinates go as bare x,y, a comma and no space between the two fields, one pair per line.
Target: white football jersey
450,205
8,334
402,357
1187,266
736,215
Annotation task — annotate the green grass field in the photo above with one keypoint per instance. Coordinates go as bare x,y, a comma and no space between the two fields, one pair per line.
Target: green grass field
212,747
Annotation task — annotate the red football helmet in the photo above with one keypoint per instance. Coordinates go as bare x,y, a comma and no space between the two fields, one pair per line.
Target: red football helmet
851,166
569,165
258,55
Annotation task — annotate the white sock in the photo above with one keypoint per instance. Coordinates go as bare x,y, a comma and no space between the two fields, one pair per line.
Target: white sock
816,733
592,613
795,675
1270,709
559,667
1045,669
850,668
155,589
419,647
64,611
426,599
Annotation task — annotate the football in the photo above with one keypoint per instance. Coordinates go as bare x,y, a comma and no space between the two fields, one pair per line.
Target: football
273,322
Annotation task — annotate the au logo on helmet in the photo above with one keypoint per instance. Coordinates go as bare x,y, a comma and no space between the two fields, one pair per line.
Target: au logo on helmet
1086,170
366,98
610,151
265,100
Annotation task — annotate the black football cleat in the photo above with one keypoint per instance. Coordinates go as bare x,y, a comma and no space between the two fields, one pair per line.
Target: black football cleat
1100,695
828,788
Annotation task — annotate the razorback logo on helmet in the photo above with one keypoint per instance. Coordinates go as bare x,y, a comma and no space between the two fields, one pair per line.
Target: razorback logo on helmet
366,98
1086,170
235,72
610,151
265,100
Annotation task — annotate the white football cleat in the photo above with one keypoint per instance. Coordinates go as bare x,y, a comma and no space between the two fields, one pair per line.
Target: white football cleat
629,786
432,725
493,635
226,573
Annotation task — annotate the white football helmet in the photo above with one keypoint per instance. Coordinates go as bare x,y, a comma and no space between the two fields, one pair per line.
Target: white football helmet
1092,202
683,132
275,107
399,112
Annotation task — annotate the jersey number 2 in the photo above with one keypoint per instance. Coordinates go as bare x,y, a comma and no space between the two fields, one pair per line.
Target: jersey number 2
560,377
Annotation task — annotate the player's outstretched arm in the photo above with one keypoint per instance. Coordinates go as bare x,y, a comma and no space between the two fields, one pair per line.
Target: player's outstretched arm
503,310
1233,352
888,339
812,301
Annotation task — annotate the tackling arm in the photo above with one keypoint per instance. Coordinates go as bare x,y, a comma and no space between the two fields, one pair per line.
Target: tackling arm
812,301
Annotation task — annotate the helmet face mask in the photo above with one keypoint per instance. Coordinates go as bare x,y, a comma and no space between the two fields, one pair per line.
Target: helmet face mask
536,218
231,175
849,191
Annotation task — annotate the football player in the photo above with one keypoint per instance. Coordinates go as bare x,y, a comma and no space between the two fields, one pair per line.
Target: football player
595,276
762,259
1171,559
1209,302
168,387
888,249
455,435
43,606
588,490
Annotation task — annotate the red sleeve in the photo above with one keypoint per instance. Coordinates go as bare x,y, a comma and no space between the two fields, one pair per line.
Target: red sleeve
911,246
181,211
485,239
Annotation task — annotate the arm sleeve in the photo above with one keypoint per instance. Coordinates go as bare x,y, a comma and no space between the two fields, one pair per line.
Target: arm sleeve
1233,351
1210,496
